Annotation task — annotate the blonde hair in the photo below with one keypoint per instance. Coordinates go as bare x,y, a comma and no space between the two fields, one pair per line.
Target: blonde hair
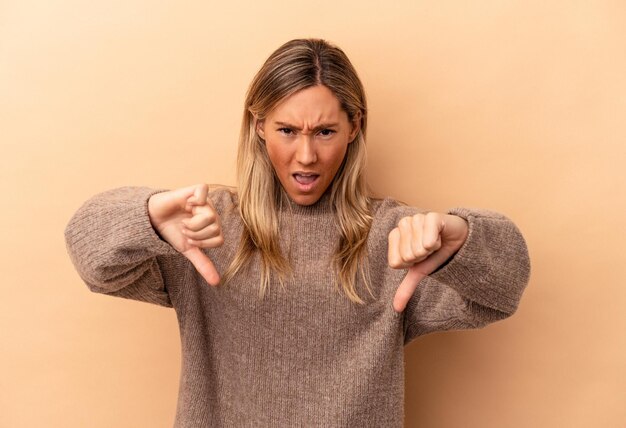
296,65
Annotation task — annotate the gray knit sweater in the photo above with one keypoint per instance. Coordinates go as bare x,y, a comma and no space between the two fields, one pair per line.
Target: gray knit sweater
304,355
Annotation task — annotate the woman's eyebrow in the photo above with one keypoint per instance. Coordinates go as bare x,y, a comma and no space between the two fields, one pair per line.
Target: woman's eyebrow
316,128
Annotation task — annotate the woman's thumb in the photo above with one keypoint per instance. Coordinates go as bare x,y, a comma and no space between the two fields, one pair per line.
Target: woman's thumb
203,265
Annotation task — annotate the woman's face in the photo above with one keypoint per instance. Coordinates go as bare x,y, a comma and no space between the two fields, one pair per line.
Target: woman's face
306,137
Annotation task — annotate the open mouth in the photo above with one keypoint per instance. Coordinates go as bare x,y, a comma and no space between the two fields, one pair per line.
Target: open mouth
305,178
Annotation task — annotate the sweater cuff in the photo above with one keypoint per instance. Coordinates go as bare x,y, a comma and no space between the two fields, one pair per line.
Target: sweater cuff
491,267
139,221
114,227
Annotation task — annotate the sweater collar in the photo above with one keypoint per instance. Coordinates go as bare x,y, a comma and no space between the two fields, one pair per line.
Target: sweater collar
322,206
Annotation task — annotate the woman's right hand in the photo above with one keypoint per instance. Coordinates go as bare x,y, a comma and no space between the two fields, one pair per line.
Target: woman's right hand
187,220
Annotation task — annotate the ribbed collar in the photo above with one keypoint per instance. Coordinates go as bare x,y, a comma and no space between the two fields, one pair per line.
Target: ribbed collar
322,206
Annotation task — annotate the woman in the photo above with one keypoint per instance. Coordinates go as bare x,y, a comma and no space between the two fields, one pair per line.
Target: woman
314,302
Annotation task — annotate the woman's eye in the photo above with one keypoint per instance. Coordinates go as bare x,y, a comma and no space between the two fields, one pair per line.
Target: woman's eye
327,132
286,131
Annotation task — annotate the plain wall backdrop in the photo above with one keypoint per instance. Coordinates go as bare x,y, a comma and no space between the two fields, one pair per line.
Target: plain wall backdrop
514,106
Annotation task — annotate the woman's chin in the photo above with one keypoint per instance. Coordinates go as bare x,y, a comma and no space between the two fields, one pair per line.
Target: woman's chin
305,200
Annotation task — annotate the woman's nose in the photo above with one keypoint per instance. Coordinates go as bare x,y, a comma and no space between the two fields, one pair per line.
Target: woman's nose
305,151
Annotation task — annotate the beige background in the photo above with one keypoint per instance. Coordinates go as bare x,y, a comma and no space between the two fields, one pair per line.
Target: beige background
515,106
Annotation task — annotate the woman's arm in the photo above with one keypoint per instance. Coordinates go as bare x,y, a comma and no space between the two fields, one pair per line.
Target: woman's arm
116,251
482,283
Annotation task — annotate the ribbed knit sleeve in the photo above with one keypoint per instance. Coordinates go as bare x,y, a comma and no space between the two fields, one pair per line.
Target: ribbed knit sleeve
482,283
116,251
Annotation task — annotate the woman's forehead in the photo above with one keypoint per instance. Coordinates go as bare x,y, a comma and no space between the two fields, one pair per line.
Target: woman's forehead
310,106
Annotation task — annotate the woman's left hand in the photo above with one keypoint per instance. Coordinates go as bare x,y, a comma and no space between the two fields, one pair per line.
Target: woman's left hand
422,243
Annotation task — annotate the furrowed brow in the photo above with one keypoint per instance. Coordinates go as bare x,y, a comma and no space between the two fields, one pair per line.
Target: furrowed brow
316,128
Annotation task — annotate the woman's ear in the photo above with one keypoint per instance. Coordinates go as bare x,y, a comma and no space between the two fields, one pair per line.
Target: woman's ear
356,126
260,128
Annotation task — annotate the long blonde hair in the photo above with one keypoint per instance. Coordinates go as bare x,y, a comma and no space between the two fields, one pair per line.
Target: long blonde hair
296,65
